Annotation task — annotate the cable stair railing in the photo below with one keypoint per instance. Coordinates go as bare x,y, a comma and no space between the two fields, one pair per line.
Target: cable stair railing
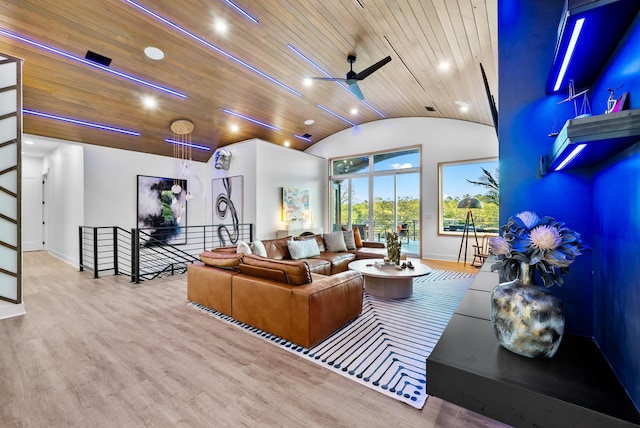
145,254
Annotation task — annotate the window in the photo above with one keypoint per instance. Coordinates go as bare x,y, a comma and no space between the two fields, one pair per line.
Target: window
378,193
475,178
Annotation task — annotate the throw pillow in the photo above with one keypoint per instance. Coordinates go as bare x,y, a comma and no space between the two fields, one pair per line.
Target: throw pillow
357,238
243,248
258,248
334,242
303,249
349,239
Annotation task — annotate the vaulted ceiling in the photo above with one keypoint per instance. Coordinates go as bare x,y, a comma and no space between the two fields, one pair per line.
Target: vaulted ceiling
218,79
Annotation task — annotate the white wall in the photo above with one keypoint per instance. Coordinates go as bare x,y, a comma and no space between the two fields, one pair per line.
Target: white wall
32,235
442,140
111,185
266,169
65,200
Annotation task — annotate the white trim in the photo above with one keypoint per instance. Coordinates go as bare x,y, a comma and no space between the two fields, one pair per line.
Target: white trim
9,310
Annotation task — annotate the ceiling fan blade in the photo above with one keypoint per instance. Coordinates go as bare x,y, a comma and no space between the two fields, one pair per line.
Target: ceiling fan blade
332,79
355,89
367,71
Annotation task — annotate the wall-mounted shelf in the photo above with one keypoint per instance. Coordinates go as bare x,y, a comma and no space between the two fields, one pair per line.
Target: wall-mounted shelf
603,23
595,138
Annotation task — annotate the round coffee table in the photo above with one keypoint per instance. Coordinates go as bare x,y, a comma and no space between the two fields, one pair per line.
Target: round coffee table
388,282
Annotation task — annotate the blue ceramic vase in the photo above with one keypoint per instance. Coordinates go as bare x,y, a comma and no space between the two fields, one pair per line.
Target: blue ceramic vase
527,319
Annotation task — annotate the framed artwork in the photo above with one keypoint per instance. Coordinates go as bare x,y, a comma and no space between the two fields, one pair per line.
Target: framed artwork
295,204
161,213
228,207
478,178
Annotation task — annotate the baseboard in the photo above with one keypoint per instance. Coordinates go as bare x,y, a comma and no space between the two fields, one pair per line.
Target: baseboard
64,258
9,310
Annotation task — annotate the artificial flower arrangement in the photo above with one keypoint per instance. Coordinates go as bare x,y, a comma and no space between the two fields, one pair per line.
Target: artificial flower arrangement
541,242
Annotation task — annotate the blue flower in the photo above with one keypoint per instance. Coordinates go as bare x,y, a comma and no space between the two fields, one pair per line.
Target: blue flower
541,242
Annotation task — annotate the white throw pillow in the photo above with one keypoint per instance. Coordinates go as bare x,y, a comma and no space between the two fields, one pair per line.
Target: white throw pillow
334,242
303,249
349,239
258,248
243,248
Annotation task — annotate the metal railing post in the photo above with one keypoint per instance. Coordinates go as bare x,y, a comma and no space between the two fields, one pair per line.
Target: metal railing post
115,251
135,256
80,259
95,252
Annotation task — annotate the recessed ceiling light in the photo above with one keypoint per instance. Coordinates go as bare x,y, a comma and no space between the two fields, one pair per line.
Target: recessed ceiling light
28,142
307,81
149,102
220,26
287,143
309,122
444,65
235,128
354,111
153,53
463,106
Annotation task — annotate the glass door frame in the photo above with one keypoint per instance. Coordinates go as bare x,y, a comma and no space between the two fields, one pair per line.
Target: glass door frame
347,179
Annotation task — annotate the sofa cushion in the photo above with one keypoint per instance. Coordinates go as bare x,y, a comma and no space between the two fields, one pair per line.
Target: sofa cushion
334,242
219,259
257,247
277,249
295,272
303,249
263,272
356,237
349,239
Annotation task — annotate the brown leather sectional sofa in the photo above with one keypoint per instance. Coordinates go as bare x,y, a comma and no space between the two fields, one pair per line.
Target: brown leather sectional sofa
302,301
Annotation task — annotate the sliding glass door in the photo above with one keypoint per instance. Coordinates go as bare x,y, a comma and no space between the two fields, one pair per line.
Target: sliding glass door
379,194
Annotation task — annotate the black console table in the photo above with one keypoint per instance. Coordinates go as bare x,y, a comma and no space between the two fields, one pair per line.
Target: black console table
575,388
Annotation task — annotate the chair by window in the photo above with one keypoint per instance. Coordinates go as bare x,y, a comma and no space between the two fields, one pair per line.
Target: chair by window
403,231
481,251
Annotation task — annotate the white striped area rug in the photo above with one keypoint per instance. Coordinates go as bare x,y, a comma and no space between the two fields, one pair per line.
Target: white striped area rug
387,346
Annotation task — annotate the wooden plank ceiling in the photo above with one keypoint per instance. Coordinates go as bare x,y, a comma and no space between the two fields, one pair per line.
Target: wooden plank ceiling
419,35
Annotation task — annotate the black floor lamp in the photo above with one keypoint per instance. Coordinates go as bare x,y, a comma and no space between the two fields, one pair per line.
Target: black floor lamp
468,203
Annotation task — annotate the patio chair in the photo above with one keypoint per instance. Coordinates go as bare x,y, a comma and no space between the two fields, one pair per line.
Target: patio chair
481,252
403,231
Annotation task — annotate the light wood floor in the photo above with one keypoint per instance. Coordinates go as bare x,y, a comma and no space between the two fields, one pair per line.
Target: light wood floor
108,353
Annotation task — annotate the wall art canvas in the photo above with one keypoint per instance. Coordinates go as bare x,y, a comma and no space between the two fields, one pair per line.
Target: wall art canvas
162,214
295,204
228,208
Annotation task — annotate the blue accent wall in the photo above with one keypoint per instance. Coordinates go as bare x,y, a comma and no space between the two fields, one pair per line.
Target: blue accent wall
526,41
602,291
616,192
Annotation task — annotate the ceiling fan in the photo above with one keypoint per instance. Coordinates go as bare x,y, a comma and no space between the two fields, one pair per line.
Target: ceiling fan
352,77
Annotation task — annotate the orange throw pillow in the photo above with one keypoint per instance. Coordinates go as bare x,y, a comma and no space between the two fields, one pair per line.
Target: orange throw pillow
357,237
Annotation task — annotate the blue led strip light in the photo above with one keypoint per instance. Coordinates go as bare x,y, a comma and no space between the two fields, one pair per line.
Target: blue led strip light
242,11
569,52
181,143
575,152
303,56
300,137
90,63
211,46
247,118
81,122
337,115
